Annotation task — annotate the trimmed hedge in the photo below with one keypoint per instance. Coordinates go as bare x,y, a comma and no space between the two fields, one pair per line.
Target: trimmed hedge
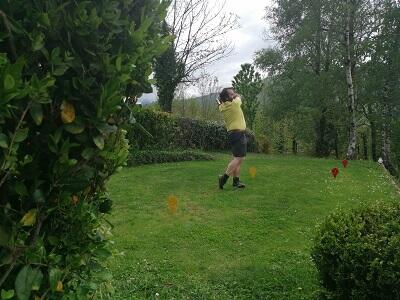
155,156
161,131
357,253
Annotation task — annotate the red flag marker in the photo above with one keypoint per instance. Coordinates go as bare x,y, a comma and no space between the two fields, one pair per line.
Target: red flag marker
345,162
335,172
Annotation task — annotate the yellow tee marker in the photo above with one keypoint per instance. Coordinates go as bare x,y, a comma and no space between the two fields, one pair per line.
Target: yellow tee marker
253,172
172,204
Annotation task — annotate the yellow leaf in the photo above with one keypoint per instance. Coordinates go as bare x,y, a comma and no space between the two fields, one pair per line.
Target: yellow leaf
67,112
172,204
29,218
253,172
59,287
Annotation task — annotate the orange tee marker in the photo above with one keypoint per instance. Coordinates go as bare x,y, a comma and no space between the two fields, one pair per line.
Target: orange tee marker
253,172
172,204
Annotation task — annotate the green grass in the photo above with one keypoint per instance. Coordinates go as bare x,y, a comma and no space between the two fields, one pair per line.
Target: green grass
231,244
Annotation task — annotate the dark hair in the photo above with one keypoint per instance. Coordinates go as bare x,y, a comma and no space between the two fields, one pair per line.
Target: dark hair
224,96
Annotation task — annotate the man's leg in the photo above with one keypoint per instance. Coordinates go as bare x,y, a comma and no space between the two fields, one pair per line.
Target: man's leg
230,171
236,174
233,165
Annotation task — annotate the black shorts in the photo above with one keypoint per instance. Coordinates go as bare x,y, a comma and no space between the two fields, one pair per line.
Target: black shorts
238,142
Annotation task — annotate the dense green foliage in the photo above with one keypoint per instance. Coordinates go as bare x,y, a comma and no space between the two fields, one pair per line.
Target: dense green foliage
161,156
161,131
66,67
248,84
168,73
232,244
306,93
357,253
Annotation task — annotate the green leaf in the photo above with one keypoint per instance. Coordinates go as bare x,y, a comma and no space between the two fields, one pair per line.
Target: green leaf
9,82
74,128
38,196
3,141
54,277
4,236
37,113
38,41
21,189
44,19
60,70
118,63
21,135
28,279
5,295
87,153
99,141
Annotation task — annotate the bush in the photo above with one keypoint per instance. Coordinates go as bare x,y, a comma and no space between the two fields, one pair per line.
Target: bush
199,134
154,157
65,69
161,131
357,253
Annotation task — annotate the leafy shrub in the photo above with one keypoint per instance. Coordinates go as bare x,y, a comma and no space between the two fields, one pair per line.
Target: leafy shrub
199,134
161,131
154,156
65,69
152,130
263,144
357,253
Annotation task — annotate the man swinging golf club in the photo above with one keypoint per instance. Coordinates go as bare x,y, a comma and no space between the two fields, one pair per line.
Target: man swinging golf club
229,104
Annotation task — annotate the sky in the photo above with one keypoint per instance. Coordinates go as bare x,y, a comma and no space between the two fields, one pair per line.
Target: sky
247,39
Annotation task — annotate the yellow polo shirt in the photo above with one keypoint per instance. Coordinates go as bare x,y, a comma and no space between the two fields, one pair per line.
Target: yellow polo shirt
233,114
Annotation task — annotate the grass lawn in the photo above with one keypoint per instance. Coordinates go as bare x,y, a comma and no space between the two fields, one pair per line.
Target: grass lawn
231,244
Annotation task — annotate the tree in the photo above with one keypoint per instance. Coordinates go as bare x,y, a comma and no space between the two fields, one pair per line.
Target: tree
167,71
208,87
67,70
199,28
248,84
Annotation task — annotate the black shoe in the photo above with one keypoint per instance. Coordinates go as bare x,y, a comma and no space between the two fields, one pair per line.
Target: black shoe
237,183
222,179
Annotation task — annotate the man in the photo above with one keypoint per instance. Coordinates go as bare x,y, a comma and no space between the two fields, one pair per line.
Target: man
229,105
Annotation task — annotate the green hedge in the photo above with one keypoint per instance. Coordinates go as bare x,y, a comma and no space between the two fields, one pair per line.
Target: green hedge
161,131
156,156
357,253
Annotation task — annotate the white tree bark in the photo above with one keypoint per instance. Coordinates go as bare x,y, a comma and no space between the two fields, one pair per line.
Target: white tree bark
351,150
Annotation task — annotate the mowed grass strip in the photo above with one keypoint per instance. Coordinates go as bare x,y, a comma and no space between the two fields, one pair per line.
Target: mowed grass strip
232,244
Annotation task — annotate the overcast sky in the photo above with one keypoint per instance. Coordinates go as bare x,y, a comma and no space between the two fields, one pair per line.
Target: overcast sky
247,39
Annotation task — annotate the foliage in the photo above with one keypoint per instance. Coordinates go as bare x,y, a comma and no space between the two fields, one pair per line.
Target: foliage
65,68
161,131
356,253
248,84
159,156
168,73
307,74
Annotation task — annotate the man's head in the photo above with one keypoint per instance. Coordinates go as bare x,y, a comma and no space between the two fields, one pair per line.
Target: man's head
227,94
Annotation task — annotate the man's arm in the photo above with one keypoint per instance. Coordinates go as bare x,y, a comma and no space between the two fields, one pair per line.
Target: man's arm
237,100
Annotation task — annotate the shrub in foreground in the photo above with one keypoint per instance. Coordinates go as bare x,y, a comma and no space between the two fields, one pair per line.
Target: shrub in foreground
357,253
66,68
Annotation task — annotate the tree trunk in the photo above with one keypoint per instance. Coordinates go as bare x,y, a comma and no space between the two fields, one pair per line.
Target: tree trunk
385,135
349,36
373,141
294,145
365,146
